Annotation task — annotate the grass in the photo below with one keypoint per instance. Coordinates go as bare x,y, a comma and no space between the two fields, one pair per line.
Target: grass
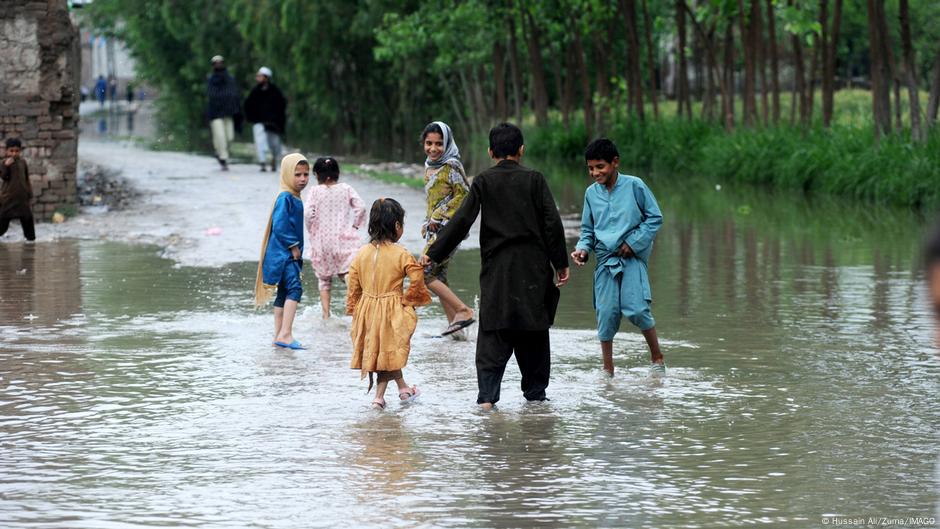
390,177
841,160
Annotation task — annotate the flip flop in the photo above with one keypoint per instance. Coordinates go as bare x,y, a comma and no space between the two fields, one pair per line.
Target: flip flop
295,345
457,325
378,403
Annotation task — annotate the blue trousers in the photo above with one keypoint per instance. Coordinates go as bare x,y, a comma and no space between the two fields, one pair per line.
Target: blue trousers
622,290
289,286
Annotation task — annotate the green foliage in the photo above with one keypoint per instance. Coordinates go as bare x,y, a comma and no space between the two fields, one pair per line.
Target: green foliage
841,161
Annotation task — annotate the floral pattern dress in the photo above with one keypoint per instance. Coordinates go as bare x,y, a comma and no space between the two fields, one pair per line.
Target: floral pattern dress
333,214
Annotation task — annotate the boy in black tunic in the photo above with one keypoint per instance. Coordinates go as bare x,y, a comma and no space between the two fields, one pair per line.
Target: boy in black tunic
522,248
15,190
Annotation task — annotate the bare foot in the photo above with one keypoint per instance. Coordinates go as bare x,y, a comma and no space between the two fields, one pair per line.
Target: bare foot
486,406
463,314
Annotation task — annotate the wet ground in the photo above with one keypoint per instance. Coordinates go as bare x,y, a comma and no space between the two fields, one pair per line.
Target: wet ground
137,388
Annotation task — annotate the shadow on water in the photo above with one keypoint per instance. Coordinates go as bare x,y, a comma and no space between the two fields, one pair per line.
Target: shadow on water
134,392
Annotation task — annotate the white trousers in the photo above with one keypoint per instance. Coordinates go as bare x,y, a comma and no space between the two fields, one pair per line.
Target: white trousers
223,132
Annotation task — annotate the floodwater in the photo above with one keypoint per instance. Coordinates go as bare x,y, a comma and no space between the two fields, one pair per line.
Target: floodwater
802,383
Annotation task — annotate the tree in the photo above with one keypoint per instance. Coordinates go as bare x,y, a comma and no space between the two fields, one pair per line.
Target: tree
880,71
910,72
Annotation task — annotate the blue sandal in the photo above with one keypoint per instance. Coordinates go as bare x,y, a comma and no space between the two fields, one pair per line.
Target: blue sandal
295,345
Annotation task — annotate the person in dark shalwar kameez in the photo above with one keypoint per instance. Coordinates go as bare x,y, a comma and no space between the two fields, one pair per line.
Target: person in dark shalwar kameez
16,191
522,249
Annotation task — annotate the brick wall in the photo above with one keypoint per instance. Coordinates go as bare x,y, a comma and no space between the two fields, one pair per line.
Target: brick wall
39,75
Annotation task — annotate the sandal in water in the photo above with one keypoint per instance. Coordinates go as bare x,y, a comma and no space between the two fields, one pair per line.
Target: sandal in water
378,403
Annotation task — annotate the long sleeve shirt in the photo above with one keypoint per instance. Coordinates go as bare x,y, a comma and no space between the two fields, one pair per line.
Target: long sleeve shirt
628,213
521,240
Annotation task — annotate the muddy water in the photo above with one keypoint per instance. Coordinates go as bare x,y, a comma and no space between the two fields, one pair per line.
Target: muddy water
802,383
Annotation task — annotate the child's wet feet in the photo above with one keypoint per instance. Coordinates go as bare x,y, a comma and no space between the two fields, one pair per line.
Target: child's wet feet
378,403
658,369
486,406
409,394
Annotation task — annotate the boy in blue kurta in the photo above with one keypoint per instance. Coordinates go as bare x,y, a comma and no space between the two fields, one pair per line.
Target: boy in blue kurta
280,263
619,223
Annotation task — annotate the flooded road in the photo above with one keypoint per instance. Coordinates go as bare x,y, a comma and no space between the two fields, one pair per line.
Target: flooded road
137,388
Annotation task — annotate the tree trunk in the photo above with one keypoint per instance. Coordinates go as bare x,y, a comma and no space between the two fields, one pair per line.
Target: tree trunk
880,73
499,80
799,84
809,97
567,61
683,99
602,79
829,64
515,71
707,40
933,102
750,101
634,76
727,81
774,62
537,66
587,97
647,27
910,71
761,46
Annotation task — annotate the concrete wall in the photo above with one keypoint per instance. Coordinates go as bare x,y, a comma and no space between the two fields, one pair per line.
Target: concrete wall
39,74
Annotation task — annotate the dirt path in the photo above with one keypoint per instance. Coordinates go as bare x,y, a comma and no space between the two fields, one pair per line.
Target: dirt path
184,199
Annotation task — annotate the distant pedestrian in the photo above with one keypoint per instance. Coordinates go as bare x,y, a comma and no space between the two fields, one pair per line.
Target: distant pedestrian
84,91
333,212
266,107
224,104
130,94
101,90
384,317
280,265
16,193
112,89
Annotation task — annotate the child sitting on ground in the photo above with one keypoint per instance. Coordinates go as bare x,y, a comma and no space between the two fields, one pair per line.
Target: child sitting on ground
384,318
619,223
280,264
333,213
16,191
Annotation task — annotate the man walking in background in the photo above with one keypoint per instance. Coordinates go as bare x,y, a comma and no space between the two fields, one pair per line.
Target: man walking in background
224,104
266,107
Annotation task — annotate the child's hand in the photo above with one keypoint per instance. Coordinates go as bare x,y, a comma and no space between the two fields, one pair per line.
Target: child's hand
579,257
563,276
425,261
8,161
295,252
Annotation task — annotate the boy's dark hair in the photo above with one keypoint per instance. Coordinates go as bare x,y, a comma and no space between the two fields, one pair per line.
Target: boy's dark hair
432,127
14,142
601,149
385,213
505,140
326,169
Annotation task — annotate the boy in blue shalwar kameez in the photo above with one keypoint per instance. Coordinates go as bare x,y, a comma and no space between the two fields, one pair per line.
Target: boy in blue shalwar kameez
619,223
280,264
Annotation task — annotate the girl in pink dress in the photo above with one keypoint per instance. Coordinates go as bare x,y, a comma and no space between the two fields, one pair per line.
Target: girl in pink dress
333,212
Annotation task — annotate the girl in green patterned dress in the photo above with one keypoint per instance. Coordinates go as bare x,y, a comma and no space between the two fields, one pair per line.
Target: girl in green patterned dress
445,186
